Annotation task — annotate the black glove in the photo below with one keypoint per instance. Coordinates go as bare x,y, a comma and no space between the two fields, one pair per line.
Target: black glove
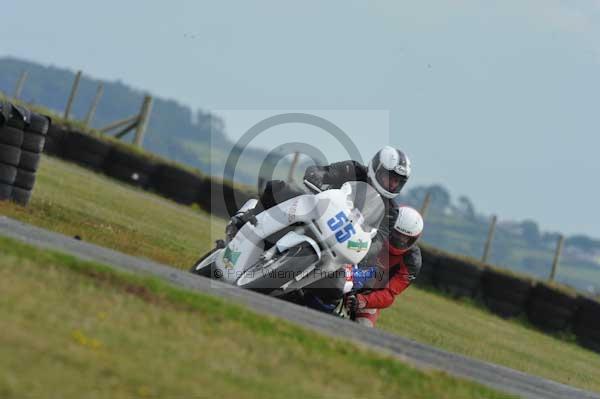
314,176
239,220
352,303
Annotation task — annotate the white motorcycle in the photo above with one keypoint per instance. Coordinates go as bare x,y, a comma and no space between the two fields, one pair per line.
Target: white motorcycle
299,241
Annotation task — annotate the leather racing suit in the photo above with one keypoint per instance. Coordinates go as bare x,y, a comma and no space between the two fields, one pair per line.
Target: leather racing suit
400,269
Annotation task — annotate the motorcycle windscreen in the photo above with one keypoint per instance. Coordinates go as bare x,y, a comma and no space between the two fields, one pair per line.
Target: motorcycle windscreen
369,208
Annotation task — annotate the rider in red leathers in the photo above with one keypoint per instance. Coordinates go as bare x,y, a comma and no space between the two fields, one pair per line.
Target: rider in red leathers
400,260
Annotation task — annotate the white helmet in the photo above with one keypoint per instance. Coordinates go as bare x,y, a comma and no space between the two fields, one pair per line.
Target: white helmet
388,171
407,229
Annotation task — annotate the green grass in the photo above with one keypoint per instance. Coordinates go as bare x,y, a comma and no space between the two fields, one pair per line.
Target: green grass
469,329
77,202
74,329
73,201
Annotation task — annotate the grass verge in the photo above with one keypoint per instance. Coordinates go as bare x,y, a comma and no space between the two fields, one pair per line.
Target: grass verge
73,201
76,329
468,328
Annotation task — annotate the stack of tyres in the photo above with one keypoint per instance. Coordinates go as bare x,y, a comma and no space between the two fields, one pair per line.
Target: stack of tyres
22,136
11,138
34,137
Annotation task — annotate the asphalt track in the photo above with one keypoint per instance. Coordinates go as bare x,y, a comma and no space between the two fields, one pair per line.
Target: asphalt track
423,356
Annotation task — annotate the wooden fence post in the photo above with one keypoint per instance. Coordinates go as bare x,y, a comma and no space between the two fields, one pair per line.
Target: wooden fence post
119,123
72,95
293,167
559,248
92,112
143,121
425,205
20,84
490,237
126,129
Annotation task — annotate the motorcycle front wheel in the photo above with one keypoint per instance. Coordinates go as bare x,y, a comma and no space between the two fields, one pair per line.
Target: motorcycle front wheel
268,275
201,269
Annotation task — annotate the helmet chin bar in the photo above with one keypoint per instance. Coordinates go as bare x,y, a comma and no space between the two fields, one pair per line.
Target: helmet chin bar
372,175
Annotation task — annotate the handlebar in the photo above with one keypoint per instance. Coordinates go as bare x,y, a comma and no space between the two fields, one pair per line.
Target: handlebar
312,187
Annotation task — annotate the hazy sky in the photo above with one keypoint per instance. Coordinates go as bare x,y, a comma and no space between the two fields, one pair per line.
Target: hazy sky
495,100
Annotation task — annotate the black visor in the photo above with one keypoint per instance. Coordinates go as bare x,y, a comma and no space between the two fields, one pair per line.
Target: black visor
402,241
390,180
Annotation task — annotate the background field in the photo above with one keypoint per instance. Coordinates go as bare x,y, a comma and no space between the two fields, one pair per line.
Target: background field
198,138
76,202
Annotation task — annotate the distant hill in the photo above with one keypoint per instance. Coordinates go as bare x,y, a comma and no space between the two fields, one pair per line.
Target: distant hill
196,138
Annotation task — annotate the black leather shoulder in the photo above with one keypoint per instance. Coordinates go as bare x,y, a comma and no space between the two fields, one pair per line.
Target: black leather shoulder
413,261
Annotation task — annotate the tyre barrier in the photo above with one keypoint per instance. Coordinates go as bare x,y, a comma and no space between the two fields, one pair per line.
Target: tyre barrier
429,263
587,323
129,167
85,150
177,184
457,276
133,167
505,294
22,139
218,200
551,308
55,140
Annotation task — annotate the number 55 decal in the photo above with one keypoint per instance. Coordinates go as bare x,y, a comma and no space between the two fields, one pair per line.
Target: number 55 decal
336,224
